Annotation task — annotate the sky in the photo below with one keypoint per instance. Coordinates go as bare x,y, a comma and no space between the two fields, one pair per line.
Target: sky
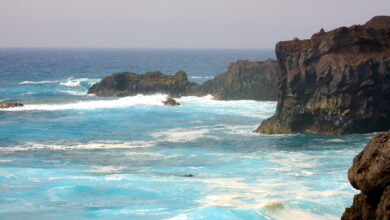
175,23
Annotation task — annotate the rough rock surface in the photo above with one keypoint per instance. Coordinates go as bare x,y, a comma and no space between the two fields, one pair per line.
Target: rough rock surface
170,102
130,84
337,82
244,80
10,105
370,173
254,80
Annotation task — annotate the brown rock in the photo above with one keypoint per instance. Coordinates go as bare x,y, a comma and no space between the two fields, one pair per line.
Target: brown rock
10,105
255,80
370,173
337,82
170,102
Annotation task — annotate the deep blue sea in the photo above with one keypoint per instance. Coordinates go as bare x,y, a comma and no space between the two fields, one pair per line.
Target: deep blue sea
67,155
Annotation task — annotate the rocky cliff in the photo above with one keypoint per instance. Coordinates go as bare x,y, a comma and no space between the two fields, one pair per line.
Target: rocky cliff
370,173
244,80
337,82
255,80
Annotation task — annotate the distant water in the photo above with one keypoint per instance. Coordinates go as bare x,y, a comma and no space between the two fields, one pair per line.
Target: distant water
66,155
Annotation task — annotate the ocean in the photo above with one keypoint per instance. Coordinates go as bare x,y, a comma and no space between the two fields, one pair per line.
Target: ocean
69,155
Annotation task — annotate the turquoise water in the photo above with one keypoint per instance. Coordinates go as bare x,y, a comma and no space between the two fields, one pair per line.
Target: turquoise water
66,155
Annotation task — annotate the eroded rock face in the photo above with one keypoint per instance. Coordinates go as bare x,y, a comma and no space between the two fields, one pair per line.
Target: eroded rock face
370,173
337,82
10,105
254,80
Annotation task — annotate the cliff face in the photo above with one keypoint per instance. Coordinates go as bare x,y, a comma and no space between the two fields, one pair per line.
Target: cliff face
244,80
255,80
337,82
370,173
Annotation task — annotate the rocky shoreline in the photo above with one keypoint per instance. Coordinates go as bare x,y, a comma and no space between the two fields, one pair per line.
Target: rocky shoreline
254,80
370,173
336,82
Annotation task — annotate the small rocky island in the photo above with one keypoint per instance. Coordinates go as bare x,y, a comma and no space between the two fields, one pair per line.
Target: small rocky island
244,80
337,82
370,173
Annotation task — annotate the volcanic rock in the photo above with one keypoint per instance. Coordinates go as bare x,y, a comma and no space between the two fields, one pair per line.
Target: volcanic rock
370,173
254,80
337,82
170,102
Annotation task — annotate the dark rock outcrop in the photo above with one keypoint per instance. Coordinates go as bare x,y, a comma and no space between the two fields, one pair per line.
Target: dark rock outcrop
10,105
254,80
370,173
337,82
244,80
170,102
130,84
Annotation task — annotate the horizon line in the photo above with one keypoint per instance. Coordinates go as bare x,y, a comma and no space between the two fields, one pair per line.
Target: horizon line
152,48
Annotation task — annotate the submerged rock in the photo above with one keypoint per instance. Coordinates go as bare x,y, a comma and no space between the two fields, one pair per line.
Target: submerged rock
10,105
170,102
370,173
244,80
337,82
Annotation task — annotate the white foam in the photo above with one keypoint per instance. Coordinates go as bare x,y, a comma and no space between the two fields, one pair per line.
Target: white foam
181,134
258,109
39,82
279,210
76,82
150,100
336,140
87,146
75,93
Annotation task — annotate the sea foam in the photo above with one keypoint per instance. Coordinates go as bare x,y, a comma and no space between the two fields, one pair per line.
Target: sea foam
150,100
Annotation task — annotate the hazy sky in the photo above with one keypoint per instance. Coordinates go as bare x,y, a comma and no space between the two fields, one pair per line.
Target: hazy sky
175,23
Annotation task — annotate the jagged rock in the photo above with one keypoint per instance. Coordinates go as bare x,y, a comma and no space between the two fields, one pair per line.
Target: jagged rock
130,84
370,173
10,105
170,102
244,80
254,80
337,82
378,22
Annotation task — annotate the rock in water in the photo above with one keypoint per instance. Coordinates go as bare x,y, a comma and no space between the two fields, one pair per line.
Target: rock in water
10,105
337,82
130,84
254,80
370,173
170,102
244,80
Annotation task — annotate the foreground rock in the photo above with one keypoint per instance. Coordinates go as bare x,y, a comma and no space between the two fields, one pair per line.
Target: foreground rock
170,102
370,173
254,80
10,105
337,82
